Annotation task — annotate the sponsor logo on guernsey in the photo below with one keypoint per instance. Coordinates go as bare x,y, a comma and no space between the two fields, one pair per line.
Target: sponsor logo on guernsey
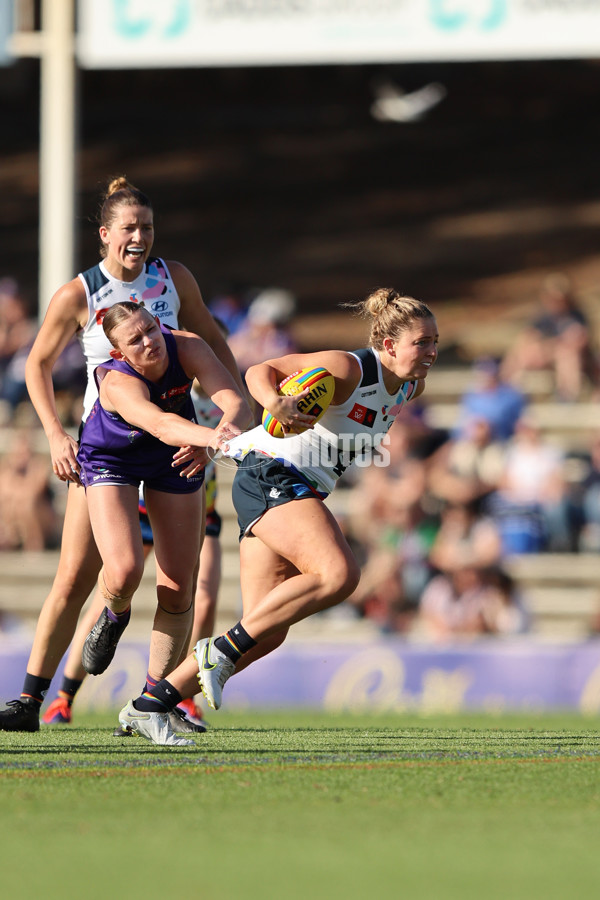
100,313
363,415
174,391
160,307
367,393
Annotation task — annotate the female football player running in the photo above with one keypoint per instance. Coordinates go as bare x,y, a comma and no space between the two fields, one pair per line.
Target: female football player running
294,558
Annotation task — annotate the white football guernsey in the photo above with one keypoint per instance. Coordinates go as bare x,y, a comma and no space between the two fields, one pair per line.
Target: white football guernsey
154,286
352,429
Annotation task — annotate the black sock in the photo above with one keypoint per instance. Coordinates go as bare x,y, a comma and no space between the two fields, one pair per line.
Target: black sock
35,688
235,642
69,688
150,683
161,698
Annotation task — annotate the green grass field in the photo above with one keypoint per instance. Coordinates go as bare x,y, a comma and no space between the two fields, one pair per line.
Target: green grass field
306,806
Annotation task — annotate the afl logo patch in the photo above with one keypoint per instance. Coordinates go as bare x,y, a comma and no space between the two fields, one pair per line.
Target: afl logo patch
363,415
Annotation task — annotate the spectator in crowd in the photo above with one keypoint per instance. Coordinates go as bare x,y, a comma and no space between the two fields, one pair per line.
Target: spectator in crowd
395,482
392,549
28,519
397,567
471,594
17,331
504,609
558,339
68,377
229,308
265,334
465,538
451,606
589,502
468,467
491,398
531,505
469,602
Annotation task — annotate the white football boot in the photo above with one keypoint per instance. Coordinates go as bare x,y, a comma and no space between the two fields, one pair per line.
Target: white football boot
156,727
214,668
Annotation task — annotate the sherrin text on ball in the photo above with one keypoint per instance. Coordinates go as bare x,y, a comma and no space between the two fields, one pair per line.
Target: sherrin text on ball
321,385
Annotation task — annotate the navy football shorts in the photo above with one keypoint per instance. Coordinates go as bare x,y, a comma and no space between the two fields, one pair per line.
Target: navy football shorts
262,483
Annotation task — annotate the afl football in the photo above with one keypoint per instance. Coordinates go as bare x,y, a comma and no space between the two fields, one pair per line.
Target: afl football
321,384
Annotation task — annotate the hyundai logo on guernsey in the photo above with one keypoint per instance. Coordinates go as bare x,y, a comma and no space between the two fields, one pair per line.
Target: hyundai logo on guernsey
159,307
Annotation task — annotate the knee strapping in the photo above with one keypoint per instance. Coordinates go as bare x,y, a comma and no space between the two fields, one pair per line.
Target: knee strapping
108,595
169,612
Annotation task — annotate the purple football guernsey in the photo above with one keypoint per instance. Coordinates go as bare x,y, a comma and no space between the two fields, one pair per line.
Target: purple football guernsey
111,451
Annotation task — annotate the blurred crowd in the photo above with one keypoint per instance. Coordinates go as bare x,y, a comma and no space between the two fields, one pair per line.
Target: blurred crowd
434,528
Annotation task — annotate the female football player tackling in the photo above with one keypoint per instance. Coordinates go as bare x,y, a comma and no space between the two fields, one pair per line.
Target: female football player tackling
294,559
144,410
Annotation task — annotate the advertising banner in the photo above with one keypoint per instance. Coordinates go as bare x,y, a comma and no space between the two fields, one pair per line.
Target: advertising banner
6,29
155,33
388,675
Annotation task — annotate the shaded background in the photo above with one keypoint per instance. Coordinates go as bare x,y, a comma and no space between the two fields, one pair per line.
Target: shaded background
282,176
263,176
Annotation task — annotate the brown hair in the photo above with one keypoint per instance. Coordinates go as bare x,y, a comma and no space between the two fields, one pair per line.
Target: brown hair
118,313
119,193
391,314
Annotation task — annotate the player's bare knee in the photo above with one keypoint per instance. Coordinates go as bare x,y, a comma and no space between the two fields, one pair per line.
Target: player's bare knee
352,579
342,580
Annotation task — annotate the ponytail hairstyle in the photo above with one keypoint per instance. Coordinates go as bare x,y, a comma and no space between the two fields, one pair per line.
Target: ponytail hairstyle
390,314
118,313
119,193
